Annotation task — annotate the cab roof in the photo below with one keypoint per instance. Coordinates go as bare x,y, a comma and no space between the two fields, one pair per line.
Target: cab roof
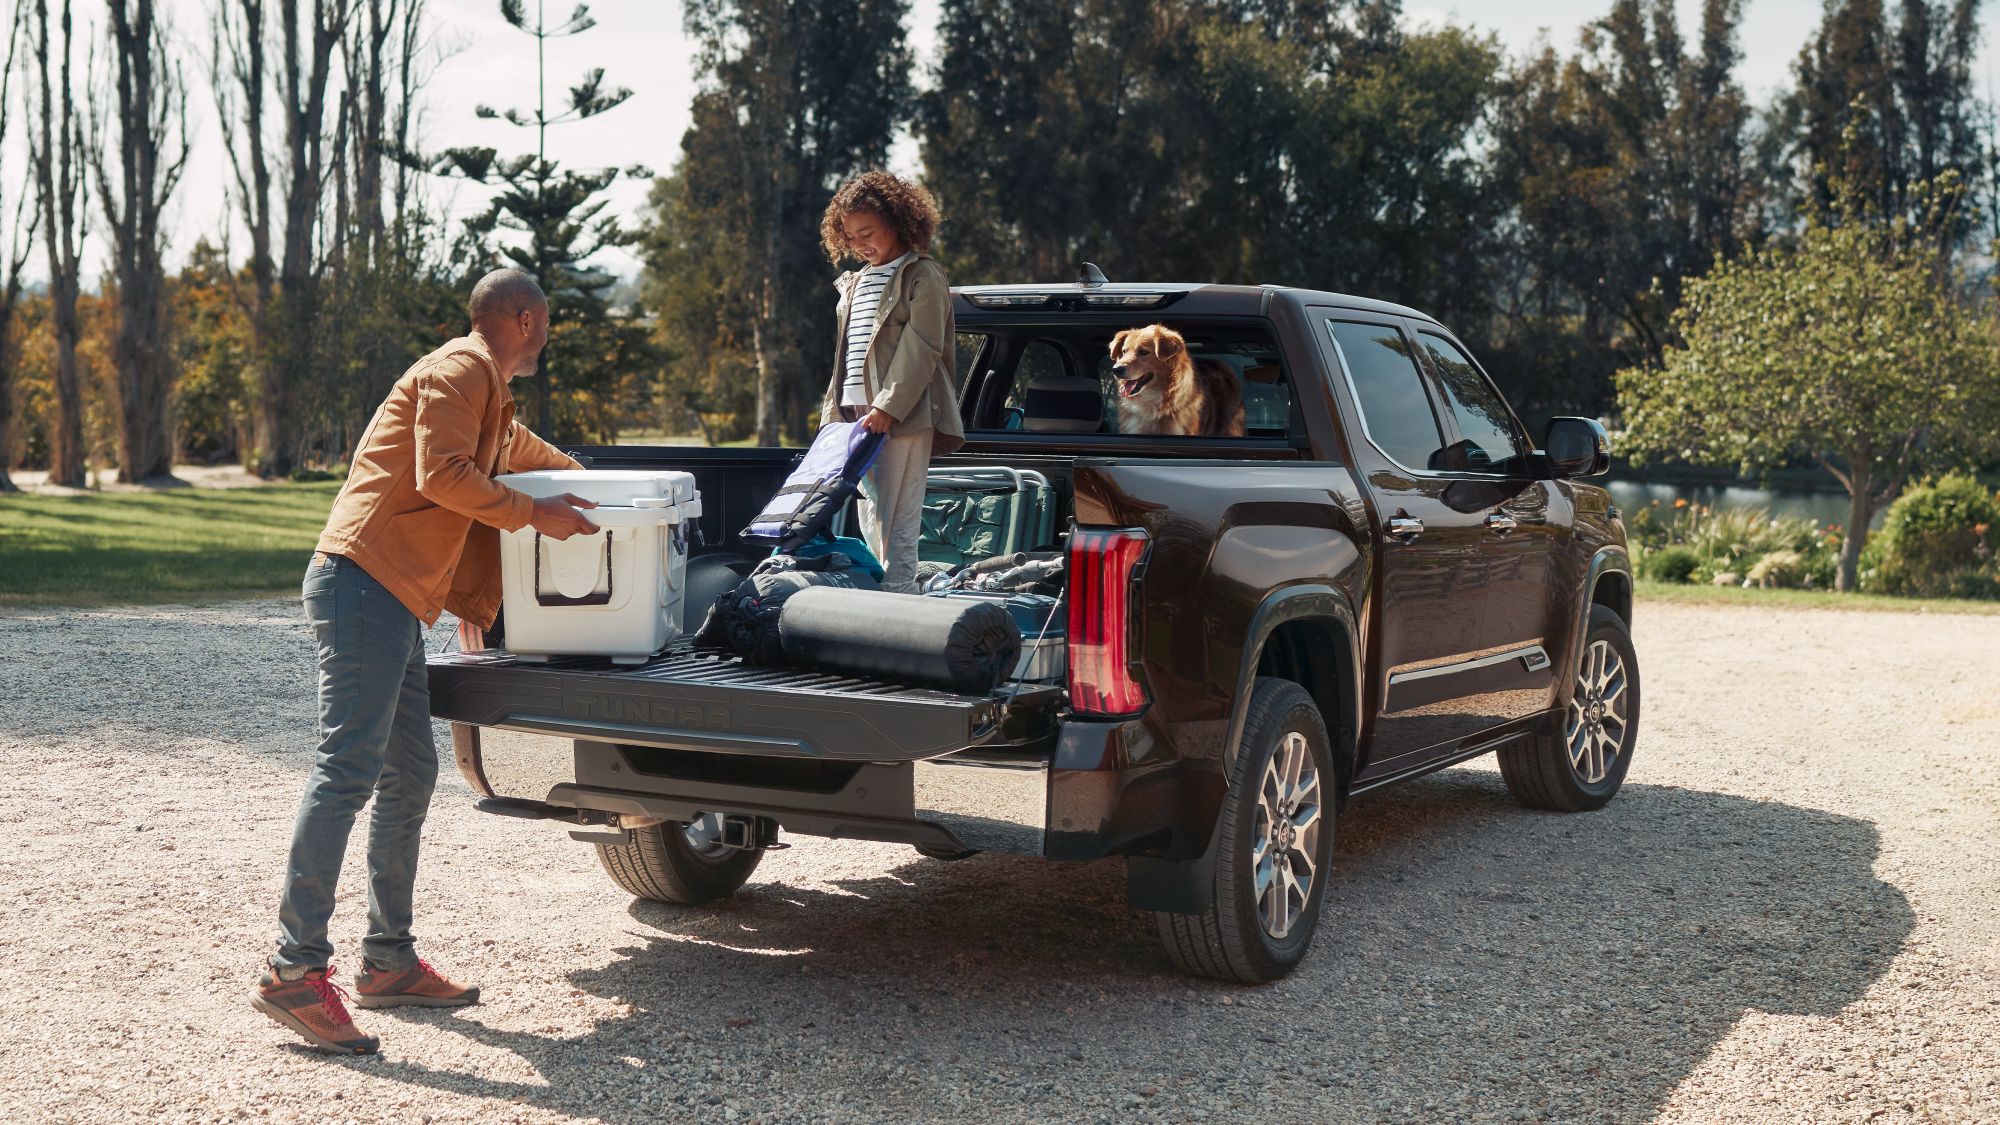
1183,297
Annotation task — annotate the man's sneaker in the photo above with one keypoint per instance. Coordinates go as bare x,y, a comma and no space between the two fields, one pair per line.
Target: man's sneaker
311,1004
418,986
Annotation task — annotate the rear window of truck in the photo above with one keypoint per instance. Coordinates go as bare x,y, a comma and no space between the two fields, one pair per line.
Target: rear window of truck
1060,380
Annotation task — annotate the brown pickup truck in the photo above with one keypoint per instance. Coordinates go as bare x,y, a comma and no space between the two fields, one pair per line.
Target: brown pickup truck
1383,577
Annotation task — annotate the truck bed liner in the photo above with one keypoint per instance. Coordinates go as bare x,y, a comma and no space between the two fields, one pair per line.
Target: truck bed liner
703,699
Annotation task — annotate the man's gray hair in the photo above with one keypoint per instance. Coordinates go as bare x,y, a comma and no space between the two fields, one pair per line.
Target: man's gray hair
504,293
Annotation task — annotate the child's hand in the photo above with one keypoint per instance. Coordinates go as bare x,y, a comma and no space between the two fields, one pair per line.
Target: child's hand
877,420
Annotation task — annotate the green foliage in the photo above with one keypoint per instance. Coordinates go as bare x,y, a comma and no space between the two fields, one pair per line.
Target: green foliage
591,365
1701,545
1675,563
792,98
1850,348
1939,539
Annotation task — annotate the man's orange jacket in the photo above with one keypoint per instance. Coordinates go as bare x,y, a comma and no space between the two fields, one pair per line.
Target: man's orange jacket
420,505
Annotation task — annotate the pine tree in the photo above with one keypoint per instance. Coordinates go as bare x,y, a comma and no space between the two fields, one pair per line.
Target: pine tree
560,211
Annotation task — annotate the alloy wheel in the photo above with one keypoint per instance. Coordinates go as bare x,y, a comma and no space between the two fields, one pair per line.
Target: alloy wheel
1595,728
1284,842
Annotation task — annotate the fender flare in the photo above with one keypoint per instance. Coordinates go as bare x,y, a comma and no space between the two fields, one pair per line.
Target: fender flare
1607,560
1187,887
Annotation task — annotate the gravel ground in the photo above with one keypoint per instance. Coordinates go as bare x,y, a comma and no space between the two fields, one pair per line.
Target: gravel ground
1787,915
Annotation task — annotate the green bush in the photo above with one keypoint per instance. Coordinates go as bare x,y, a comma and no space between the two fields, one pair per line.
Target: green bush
1670,564
1778,570
1937,540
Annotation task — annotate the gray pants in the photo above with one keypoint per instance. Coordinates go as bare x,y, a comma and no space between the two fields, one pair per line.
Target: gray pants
892,507
374,739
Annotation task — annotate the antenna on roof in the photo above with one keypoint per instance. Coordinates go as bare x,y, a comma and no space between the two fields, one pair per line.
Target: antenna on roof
1089,276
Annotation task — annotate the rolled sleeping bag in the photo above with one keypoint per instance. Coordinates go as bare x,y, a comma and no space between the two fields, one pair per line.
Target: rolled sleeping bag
957,644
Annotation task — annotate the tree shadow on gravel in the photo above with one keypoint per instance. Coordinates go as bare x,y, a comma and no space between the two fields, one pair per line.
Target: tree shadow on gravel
1475,960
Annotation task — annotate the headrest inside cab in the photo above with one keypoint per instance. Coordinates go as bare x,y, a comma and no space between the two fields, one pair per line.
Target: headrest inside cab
1063,406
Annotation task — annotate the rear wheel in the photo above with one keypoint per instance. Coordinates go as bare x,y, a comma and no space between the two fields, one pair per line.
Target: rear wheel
1276,847
1581,766
679,864
948,856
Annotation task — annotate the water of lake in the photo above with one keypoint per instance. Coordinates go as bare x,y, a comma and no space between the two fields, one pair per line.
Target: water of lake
1826,507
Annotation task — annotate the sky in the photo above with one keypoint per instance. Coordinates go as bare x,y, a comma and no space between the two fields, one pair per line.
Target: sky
640,44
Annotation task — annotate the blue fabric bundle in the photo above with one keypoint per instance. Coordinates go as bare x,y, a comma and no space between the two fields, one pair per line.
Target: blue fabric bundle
827,478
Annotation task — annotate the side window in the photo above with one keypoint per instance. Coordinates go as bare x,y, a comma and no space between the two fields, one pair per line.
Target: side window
1395,411
966,352
1487,436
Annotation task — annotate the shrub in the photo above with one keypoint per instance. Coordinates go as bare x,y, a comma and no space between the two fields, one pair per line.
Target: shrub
1937,540
1670,564
1780,569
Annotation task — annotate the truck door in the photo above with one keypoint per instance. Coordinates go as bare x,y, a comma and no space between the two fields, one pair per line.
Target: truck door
1527,519
1434,640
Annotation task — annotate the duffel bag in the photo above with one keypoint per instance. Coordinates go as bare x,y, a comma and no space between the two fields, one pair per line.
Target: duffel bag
745,620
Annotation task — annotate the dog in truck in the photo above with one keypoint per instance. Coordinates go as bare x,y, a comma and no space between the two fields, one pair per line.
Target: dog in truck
1163,390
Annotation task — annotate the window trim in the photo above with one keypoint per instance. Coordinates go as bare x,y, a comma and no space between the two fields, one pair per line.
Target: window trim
1422,372
1521,435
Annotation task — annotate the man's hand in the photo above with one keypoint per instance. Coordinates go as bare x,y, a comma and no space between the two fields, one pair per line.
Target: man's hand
877,420
557,516
471,638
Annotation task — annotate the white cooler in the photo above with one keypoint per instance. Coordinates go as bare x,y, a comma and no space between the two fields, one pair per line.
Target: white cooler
617,593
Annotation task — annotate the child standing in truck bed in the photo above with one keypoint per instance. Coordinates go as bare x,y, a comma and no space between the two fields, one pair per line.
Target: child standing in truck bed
893,361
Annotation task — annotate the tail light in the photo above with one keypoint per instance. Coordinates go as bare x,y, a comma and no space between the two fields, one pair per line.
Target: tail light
1103,680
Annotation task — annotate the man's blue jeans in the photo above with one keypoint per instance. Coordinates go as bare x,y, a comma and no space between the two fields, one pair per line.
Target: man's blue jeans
374,738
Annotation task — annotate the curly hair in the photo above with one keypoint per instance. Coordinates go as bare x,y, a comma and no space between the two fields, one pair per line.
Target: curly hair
904,205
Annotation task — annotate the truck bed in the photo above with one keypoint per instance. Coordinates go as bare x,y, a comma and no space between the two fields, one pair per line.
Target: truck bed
689,698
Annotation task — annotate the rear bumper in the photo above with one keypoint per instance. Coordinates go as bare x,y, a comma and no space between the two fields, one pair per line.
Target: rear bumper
986,800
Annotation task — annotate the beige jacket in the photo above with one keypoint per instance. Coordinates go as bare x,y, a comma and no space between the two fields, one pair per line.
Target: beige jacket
911,364
420,506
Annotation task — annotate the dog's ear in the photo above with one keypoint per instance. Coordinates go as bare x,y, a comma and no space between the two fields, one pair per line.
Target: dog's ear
1169,342
1118,343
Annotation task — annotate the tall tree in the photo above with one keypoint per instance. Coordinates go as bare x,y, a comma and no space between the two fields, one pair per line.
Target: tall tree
1849,349
1885,102
561,213
1629,168
18,240
56,149
281,299
791,98
149,144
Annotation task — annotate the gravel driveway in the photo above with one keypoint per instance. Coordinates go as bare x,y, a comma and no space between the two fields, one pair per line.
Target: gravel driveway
1789,914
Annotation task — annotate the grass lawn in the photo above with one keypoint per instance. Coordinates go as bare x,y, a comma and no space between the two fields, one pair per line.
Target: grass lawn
178,545
1688,594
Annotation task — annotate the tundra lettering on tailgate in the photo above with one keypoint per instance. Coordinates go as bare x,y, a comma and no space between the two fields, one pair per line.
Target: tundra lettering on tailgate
616,707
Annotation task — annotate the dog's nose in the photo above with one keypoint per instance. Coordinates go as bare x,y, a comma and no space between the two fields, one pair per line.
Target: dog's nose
1118,372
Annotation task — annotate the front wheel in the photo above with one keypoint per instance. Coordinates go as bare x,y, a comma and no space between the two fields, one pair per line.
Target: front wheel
1582,767
679,864
1276,847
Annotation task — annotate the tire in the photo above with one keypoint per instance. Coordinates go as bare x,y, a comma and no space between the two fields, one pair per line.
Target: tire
1242,936
1582,765
947,856
669,863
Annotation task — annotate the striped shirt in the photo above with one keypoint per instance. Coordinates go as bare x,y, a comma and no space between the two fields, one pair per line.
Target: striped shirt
861,309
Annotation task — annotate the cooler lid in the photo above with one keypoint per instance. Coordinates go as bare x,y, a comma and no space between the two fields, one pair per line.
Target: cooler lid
606,486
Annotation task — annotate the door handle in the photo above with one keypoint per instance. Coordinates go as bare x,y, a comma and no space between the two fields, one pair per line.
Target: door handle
1502,522
1403,529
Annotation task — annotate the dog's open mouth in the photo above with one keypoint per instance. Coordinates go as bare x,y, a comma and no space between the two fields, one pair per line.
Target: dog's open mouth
1130,388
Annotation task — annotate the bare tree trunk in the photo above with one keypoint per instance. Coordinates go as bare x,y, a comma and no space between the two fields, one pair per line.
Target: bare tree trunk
282,310
762,340
240,72
57,151
151,107
21,236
